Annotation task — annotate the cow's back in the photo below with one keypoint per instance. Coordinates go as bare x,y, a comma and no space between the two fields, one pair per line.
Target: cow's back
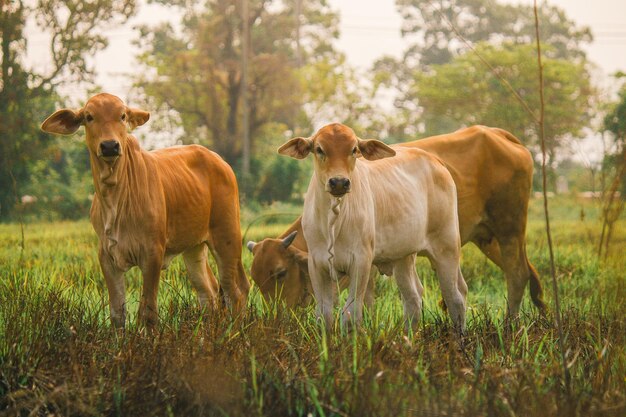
414,197
492,171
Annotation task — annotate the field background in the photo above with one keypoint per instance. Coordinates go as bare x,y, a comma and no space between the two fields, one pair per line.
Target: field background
247,75
60,356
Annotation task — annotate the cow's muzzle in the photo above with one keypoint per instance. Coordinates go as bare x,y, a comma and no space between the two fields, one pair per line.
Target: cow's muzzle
110,148
338,186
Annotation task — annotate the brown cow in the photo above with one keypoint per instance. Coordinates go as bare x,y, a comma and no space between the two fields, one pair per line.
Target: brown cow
150,206
493,174
281,268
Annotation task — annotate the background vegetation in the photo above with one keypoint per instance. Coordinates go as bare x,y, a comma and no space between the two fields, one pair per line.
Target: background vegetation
60,356
190,78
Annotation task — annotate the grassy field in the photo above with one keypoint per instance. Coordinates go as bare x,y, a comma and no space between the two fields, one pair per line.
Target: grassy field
60,356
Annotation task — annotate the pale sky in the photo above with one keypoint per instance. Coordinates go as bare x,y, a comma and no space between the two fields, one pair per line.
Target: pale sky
369,30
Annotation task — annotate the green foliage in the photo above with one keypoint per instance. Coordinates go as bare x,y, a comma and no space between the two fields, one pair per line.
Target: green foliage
467,92
60,356
278,181
22,144
482,21
62,183
479,22
335,92
615,119
198,73
614,122
28,95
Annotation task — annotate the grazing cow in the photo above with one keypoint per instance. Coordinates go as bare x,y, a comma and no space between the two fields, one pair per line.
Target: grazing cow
150,206
493,174
281,269
398,203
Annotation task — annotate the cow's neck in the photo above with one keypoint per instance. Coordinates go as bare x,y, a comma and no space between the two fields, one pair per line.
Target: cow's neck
114,185
346,211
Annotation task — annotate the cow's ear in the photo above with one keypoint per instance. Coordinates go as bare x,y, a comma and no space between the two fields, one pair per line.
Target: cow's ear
136,117
301,258
63,122
373,149
297,148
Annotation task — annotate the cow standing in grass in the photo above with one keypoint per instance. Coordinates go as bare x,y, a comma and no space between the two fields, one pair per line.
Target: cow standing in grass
493,173
398,203
150,206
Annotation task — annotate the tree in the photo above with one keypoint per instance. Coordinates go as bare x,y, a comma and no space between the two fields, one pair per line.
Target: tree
28,95
436,26
197,73
615,119
336,92
614,167
464,91
484,21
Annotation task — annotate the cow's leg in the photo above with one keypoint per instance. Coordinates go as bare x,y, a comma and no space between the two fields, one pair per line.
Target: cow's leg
491,248
371,289
225,246
352,313
461,284
510,256
323,289
148,309
411,289
517,272
451,282
200,274
114,278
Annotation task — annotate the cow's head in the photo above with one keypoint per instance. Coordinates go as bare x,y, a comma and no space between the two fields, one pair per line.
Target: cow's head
335,149
106,120
280,270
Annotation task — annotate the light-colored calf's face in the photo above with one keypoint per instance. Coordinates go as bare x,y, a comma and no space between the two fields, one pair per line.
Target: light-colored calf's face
276,270
335,149
106,120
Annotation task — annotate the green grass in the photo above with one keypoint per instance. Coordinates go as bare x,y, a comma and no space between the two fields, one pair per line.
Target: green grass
60,356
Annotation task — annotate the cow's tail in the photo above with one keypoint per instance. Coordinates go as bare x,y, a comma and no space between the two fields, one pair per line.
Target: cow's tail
536,292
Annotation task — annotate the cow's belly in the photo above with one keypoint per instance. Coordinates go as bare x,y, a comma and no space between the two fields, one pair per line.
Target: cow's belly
125,257
180,244
396,241
471,214
400,226
187,231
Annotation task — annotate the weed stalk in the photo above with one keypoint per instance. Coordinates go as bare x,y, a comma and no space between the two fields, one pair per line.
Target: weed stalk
555,287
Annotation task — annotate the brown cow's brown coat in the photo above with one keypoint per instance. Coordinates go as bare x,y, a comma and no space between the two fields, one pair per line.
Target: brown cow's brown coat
151,206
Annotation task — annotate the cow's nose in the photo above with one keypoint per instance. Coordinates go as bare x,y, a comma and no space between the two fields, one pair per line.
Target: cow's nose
338,186
110,148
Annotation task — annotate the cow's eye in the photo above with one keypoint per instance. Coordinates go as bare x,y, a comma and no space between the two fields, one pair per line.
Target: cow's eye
319,151
354,151
89,118
280,275
123,116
